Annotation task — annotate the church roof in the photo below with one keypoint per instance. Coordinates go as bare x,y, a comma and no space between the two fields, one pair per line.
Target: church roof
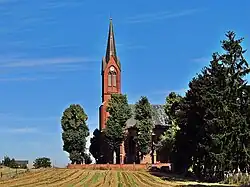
159,116
111,49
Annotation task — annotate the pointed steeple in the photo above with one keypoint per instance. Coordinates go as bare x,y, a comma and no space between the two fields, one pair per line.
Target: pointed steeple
111,50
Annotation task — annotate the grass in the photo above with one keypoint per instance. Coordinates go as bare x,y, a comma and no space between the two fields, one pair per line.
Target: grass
89,178
119,179
7,172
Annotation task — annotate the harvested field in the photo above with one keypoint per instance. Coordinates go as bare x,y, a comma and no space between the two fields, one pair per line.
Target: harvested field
88,178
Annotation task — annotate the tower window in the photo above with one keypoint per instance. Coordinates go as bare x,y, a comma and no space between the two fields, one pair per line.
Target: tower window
109,79
114,79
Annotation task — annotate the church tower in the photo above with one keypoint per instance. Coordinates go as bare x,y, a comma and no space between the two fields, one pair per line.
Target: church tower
111,76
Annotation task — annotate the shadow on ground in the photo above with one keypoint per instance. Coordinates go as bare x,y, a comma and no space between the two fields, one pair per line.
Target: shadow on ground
179,178
196,185
172,177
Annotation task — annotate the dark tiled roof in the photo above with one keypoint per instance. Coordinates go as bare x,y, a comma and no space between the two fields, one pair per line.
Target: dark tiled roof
22,162
159,116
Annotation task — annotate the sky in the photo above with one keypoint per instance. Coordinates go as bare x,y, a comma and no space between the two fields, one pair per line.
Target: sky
51,52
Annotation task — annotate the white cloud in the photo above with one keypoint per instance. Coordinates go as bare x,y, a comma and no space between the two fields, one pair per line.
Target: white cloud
12,117
7,1
166,92
136,47
57,4
159,16
132,99
15,63
88,140
21,130
202,59
88,145
21,79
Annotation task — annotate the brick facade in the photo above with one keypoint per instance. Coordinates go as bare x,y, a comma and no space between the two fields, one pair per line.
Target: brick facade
108,90
111,76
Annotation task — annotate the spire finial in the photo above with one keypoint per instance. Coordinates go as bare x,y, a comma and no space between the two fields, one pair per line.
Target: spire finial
110,17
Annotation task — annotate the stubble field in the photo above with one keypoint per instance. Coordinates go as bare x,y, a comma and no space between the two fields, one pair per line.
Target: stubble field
74,177
87,178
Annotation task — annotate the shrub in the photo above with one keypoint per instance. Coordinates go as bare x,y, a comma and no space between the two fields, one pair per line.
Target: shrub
42,163
238,178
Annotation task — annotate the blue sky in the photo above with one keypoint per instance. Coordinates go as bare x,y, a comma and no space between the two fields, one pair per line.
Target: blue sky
51,52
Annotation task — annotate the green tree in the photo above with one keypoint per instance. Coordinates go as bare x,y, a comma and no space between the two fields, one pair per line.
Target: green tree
87,159
6,161
119,113
95,145
236,118
213,118
75,132
144,125
167,140
13,164
9,162
42,162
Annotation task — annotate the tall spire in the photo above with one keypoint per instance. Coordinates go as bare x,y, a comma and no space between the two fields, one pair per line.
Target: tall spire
111,50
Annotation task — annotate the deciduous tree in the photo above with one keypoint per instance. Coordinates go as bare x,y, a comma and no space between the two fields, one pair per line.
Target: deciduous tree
119,113
75,132
87,158
42,163
95,145
9,162
167,140
144,124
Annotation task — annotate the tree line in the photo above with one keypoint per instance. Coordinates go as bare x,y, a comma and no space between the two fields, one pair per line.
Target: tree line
42,162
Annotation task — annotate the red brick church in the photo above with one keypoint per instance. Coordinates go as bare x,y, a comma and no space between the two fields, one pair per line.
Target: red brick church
111,83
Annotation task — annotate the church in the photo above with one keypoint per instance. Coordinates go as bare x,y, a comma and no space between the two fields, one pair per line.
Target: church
111,84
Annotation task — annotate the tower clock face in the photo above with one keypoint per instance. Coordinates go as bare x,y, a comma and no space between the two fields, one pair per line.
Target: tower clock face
112,68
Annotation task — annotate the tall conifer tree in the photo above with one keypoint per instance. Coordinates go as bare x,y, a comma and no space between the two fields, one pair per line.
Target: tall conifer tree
213,119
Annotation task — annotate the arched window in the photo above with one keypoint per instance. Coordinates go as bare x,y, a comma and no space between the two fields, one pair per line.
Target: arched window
109,79
114,79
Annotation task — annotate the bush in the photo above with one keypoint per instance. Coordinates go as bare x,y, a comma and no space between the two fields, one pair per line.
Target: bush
238,178
9,162
87,158
42,163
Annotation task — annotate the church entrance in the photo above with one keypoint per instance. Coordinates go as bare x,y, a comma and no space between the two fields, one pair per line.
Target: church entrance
132,154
